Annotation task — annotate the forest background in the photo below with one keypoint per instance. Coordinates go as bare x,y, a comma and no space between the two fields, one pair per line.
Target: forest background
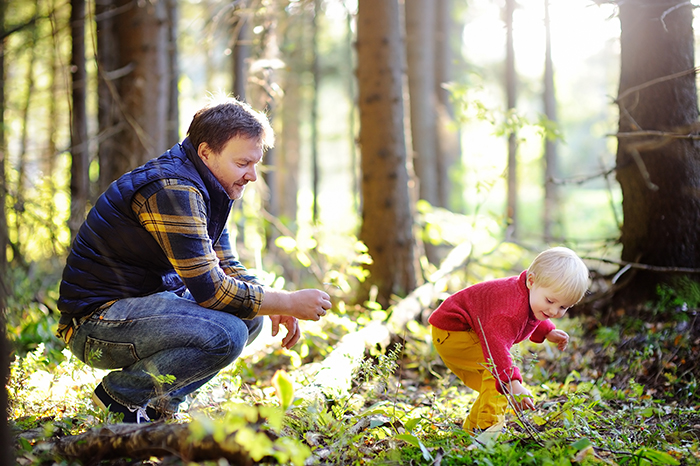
422,146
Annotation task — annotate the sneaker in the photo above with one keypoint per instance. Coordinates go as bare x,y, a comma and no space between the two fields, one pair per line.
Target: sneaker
131,415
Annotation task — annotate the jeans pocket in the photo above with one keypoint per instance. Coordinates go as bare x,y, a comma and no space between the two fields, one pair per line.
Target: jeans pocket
102,354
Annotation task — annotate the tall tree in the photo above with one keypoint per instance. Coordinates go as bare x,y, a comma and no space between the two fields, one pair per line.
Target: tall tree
241,51
3,149
511,97
448,140
420,58
5,440
551,194
387,219
80,180
295,49
173,112
133,64
658,155
316,73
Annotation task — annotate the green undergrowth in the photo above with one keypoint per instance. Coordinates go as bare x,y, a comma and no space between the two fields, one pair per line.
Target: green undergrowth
603,401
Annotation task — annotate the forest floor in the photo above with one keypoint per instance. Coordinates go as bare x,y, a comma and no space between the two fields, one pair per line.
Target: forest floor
624,394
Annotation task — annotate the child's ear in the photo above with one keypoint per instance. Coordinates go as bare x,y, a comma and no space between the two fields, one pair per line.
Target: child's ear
530,280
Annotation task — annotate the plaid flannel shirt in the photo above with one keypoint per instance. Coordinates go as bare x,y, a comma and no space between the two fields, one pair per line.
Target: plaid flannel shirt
176,217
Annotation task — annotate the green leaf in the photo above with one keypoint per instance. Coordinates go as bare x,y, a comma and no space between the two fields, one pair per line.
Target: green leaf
284,388
408,438
412,423
582,443
657,457
413,440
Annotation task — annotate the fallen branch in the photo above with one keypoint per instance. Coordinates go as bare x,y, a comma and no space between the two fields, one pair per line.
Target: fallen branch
143,441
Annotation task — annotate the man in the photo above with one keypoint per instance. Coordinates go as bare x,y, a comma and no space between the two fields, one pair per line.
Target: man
151,286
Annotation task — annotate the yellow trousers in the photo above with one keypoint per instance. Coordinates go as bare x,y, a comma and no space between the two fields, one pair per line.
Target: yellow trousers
461,353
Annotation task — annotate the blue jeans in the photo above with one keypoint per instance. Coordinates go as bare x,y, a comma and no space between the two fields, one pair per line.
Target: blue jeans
160,335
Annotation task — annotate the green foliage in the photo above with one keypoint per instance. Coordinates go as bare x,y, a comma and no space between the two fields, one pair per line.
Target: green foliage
678,297
248,427
31,315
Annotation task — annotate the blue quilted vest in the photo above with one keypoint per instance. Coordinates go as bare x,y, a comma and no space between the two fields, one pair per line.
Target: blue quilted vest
113,256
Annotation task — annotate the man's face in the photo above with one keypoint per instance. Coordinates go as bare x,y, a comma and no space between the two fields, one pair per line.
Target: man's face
235,165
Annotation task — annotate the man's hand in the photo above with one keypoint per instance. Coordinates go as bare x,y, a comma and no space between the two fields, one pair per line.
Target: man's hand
560,337
309,304
306,304
522,396
293,331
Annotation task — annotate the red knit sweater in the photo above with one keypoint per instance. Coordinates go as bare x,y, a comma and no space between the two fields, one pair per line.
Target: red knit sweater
499,312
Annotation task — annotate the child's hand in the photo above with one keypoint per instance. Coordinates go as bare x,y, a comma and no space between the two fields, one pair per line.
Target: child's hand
560,337
522,396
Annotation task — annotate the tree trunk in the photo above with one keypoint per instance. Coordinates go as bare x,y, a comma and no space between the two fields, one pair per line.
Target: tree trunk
5,444
3,150
241,52
173,112
420,54
134,441
284,205
511,97
110,124
551,194
387,219
448,140
132,51
23,163
315,72
80,160
659,175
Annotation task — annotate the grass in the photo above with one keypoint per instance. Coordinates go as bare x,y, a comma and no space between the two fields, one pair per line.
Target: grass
404,407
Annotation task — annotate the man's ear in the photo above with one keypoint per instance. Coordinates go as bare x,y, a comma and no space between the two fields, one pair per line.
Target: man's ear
204,151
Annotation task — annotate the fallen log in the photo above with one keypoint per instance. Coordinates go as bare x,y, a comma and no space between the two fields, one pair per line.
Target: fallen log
143,441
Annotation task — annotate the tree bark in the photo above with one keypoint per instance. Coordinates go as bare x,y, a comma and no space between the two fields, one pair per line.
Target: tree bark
145,441
284,205
387,219
420,54
133,50
173,112
241,52
5,444
659,176
448,140
80,157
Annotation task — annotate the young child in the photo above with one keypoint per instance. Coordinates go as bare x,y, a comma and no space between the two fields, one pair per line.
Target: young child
482,322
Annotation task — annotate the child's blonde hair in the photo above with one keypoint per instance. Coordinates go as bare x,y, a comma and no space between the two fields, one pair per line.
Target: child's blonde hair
561,270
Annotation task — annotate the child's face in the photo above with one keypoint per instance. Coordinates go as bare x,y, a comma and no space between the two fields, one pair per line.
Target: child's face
546,303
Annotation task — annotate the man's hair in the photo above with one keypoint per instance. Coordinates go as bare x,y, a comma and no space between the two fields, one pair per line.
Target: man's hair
225,118
561,270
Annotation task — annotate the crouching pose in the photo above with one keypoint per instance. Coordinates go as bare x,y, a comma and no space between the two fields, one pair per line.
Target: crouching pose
152,288
474,329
